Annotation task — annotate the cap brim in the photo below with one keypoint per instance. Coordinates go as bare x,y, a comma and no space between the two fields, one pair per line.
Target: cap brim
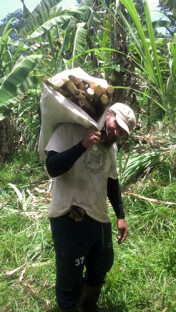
122,124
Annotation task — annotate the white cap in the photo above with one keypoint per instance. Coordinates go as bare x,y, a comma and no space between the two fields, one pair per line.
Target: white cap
125,116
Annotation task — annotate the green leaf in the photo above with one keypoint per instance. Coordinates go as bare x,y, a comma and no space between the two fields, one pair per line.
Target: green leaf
137,164
6,31
153,45
146,54
39,16
2,116
16,78
79,41
69,30
28,83
48,25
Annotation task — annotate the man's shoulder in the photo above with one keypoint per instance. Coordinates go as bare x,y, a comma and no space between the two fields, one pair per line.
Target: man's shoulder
69,128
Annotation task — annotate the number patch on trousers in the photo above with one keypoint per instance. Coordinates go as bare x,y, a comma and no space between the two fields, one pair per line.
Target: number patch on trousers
79,261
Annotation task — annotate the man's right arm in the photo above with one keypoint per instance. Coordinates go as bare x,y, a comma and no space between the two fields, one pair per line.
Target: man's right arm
59,163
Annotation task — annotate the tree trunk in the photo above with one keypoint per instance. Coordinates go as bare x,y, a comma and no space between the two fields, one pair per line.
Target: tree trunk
8,137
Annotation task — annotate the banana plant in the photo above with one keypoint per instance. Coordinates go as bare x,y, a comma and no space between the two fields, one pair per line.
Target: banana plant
14,68
5,50
45,10
63,34
16,77
45,29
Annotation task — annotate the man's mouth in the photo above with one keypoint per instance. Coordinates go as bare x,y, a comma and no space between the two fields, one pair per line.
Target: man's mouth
107,138
111,136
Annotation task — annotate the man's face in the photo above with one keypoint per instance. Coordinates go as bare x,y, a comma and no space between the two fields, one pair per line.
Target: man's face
114,133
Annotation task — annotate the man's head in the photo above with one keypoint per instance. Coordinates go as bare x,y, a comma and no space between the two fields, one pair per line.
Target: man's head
120,121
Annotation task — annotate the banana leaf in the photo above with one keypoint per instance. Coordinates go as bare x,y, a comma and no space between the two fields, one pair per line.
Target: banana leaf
39,16
19,73
48,25
79,41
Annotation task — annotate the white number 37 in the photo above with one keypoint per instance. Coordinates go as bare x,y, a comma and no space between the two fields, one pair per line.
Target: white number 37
79,261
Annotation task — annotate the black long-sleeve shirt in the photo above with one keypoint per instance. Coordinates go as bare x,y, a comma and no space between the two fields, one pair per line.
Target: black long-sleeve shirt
59,163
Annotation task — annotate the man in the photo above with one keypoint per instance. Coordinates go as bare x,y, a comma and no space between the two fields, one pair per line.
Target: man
83,163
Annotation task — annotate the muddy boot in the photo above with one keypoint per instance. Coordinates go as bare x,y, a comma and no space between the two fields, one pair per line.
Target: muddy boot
89,298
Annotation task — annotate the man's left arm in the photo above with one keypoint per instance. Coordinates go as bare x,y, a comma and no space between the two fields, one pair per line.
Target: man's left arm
115,197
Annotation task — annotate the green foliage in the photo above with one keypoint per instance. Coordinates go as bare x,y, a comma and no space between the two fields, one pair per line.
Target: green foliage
17,21
55,21
79,39
136,164
171,81
148,54
18,172
141,156
15,70
19,73
168,5
145,52
40,15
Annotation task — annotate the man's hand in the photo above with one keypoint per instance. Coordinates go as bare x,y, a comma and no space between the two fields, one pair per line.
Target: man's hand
92,137
122,230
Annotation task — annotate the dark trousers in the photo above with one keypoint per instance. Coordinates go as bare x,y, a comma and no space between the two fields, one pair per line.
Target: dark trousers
78,245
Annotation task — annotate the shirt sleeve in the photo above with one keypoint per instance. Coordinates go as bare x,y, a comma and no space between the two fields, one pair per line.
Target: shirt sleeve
115,197
59,163
113,173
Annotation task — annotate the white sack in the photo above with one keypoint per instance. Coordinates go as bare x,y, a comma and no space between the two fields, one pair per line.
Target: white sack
56,109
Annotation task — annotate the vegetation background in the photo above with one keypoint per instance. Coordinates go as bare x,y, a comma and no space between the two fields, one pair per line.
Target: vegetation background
115,40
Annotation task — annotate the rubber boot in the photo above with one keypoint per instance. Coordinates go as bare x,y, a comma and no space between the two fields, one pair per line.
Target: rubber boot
89,298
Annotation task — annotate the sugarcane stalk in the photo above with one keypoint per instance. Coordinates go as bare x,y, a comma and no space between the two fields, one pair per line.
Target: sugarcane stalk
56,88
110,90
74,79
89,93
72,88
99,90
104,100
81,86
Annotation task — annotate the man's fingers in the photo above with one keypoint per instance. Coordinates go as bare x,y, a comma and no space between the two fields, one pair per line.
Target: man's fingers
122,230
92,137
94,132
122,235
